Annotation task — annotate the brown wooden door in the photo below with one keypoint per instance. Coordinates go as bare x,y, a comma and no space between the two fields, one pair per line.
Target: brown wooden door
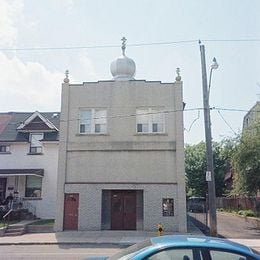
123,210
71,205
2,188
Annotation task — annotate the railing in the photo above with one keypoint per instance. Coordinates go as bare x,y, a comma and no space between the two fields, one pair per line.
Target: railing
6,218
29,206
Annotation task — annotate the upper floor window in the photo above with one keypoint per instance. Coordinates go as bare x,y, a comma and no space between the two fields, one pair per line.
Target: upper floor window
35,142
92,121
150,120
4,148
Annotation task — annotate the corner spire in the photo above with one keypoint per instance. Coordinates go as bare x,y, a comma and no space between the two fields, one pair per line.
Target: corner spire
66,80
178,78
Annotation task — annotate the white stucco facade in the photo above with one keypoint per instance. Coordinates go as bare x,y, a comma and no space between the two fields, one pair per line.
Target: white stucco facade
28,166
18,158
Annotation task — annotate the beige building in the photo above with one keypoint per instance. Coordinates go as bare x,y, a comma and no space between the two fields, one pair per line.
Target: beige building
121,154
252,116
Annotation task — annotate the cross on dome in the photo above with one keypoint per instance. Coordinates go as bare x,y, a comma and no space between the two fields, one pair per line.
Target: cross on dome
123,45
123,68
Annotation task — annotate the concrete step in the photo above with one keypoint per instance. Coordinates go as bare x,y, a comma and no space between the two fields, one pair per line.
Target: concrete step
15,230
7,234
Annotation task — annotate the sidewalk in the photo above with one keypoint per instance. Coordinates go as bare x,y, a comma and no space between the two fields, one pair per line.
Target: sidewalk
91,237
98,237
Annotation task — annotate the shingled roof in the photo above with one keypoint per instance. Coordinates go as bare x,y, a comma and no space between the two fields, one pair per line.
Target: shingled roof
11,120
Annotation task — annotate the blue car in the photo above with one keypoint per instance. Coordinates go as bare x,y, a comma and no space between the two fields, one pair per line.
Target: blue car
183,247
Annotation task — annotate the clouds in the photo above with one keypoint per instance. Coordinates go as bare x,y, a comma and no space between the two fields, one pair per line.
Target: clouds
10,14
28,86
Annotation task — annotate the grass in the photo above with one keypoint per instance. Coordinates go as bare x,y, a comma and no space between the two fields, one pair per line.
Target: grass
2,224
45,222
245,213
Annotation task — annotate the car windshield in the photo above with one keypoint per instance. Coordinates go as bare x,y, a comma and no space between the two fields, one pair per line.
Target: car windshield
126,253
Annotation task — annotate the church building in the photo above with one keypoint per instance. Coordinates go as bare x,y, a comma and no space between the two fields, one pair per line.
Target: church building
121,153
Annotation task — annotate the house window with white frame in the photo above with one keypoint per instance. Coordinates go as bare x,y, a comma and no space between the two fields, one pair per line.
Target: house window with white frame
33,188
150,120
92,121
35,143
4,148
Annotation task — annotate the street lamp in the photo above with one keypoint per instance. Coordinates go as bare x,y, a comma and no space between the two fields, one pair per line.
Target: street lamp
210,177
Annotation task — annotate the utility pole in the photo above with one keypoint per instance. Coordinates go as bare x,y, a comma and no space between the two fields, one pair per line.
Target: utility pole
209,154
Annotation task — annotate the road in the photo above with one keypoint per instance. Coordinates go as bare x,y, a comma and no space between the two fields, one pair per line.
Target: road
55,252
232,227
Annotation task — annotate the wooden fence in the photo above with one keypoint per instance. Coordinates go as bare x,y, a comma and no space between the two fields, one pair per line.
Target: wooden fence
239,203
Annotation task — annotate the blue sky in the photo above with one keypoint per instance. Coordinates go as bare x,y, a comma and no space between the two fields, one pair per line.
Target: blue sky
31,80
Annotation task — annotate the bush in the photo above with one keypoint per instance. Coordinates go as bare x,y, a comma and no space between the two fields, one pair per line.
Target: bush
247,213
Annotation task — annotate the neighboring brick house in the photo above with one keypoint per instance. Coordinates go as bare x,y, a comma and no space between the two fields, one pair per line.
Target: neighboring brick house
121,154
29,159
252,116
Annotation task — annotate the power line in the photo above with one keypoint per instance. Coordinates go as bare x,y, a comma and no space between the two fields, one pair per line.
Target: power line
226,122
105,46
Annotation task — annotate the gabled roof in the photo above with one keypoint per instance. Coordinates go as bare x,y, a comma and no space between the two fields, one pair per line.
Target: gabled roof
36,121
4,119
10,133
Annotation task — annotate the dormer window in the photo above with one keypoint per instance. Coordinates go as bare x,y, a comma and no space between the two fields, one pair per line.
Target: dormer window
35,143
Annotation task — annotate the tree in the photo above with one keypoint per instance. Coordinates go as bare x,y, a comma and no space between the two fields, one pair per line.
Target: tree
195,166
246,161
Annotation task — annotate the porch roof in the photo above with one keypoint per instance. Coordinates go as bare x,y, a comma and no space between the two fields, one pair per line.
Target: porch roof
21,172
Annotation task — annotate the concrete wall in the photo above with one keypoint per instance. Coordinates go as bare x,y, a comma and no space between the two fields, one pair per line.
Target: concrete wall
90,197
122,155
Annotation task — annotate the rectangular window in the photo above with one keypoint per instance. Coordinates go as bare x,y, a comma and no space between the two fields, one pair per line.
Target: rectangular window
93,121
4,149
150,120
167,207
33,187
36,145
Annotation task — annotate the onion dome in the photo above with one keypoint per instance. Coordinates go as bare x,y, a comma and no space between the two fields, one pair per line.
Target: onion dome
123,68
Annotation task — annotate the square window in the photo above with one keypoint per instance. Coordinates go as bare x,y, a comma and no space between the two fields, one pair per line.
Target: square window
92,120
139,128
97,128
33,186
35,142
4,148
155,128
150,120
167,207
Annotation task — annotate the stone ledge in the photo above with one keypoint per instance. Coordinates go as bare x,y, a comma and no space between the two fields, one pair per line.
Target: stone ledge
39,229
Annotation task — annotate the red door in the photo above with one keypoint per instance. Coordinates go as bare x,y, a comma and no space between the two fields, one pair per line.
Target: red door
123,210
71,205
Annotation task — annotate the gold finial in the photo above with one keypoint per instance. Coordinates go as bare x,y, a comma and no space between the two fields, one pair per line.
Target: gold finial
123,45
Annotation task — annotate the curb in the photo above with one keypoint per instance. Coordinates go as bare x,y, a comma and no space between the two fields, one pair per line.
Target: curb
66,243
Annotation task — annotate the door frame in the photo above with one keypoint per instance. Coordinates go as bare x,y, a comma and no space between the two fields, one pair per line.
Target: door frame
120,223
67,225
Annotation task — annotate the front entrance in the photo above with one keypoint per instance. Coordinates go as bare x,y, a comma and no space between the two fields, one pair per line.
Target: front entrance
123,210
2,189
71,205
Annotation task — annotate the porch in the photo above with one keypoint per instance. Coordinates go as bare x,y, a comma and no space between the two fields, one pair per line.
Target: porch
18,190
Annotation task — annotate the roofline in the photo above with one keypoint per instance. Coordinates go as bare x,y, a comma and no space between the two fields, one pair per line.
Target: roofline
32,117
139,80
